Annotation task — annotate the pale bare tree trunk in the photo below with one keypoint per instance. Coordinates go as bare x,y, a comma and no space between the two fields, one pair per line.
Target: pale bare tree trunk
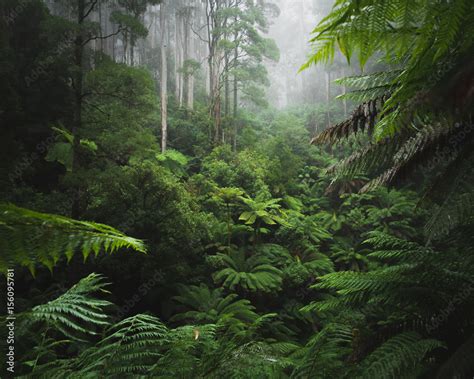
190,84
179,54
181,60
344,91
226,73
101,41
188,55
164,81
328,96
78,101
176,55
235,89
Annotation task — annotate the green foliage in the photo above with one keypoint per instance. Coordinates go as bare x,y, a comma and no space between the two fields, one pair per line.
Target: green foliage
270,258
29,238
398,356
255,273
260,211
62,152
323,356
174,161
129,23
210,306
75,313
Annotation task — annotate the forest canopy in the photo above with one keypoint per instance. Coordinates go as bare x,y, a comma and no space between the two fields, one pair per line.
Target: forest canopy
237,188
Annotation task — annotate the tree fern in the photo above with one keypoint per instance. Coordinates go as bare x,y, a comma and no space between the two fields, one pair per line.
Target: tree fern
255,273
209,306
410,112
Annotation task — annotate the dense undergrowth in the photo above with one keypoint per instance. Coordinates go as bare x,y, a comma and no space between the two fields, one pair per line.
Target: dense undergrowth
256,258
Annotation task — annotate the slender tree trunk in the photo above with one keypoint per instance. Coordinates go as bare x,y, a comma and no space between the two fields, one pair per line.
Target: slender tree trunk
226,72
101,41
185,54
179,56
190,83
164,81
125,47
344,91
328,96
78,89
227,86
181,60
235,125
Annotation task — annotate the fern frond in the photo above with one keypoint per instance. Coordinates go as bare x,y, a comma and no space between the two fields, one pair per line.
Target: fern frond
76,313
363,118
131,346
29,238
325,352
398,356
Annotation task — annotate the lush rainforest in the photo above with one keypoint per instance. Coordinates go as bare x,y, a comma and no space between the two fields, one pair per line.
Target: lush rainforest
237,189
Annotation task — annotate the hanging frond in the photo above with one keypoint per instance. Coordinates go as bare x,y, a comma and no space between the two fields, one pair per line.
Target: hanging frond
324,355
454,207
76,313
29,238
363,118
398,356
418,151
130,348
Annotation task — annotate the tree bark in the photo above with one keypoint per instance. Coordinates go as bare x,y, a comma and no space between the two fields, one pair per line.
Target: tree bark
235,105
78,89
328,96
190,79
164,81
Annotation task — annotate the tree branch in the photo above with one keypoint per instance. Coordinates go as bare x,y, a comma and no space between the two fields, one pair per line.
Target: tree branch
120,30
93,4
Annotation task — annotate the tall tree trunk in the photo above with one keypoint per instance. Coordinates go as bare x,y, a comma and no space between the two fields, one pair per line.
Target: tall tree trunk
226,71
181,60
125,47
344,91
328,96
164,81
227,86
178,53
78,89
190,78
101,41
235,89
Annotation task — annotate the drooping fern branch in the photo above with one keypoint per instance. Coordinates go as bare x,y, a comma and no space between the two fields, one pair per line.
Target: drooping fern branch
410,112
130,348
398,356
325,353
28,238
75,313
